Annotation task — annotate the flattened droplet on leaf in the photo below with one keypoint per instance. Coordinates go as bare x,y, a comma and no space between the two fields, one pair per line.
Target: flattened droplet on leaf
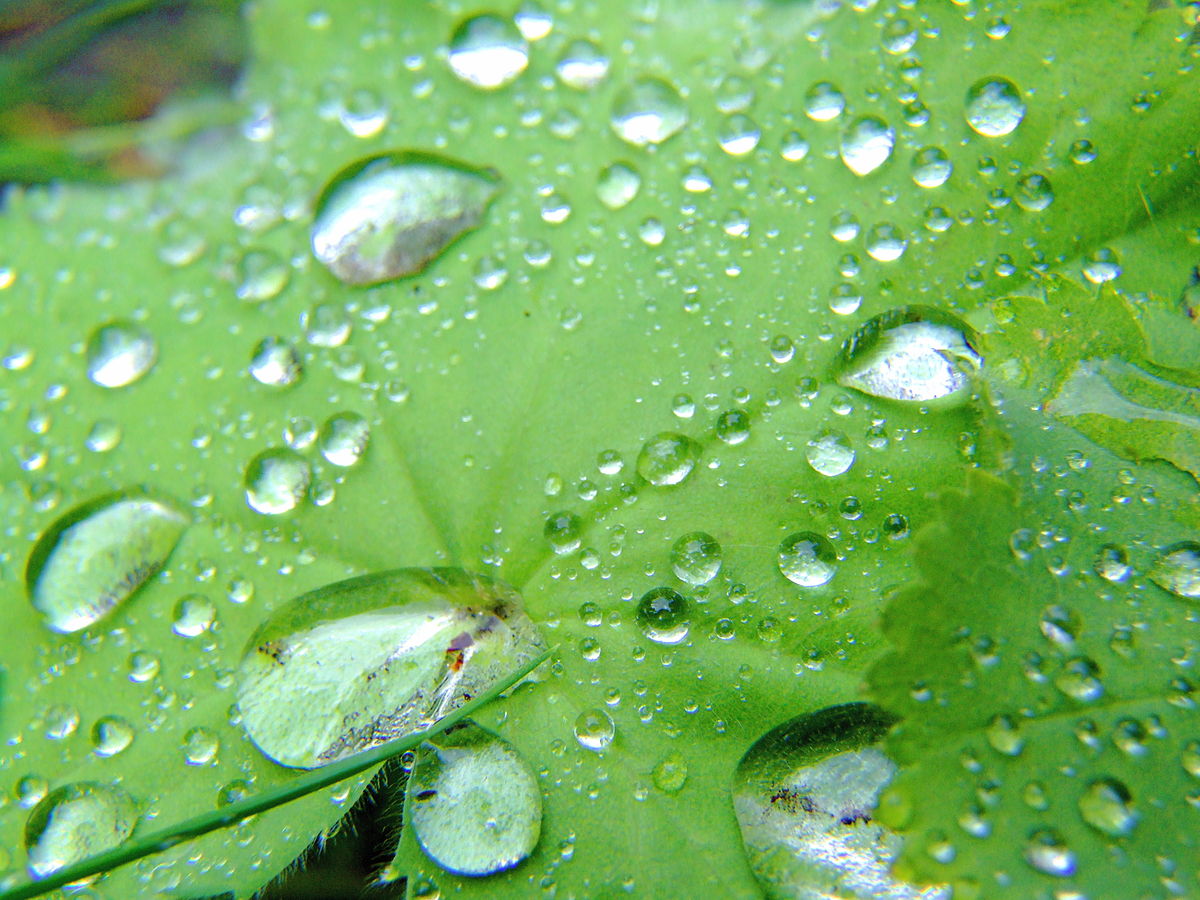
97,555
358,663
475,806
390,215
74,822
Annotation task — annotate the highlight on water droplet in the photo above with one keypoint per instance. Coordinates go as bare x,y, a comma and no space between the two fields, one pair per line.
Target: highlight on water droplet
390,215
120,353
1107,806
618,185
488,52
1049,854
662,615
96,556
276,481
344,438
667,458
594,729
360,662
74,822
648,111
475,806
807,559
830,453
1177,569
994,107
275,362
696,558
913,353
564,532
582,65
867,144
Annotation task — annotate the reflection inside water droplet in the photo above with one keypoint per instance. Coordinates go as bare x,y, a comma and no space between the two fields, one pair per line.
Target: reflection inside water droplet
1177,569
662,615
276,481
594,729
120,353
74,822
667,458
488,52
696,558
807,559
994,107
648,111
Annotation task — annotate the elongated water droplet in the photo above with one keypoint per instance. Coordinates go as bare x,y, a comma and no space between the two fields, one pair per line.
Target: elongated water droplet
358,663
595,729
476,807
913,353
97,556
276,481
807,559
390,215
994,107
662,615
74,822
648,111
867,144
120,353
805,795
667,458
696,558
488,52
1177,569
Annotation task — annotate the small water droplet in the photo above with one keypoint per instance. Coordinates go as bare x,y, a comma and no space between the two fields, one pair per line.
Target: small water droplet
120,353
670,774
618,185
994,107
1112,564
867,144
662,615
390,215
488,52
1102,266
885,242
276,363
823,102
595,729
1034,193
582,65
807,559
667,458
696,558
648,111
111,735
74,822
1048,853
1107,806
564,532
1005,736
194,615
931,167
830,453
276,481
261,275
739,135
1177,569
344,438
97,555
733,427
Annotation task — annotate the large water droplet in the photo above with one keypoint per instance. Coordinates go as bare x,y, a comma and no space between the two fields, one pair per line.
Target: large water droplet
662,615
1177,569
564,532
194,615
358,663
867,144
1107,806
648,111
807,559
97,555
696,558
476,807
120,353
994,107
388,216
667,458
74,822
913,353
594,729
276,481
931,167
488,52
344,438
805,795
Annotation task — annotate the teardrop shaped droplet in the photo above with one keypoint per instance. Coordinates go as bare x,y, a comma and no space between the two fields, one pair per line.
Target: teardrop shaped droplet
360,662
74,822
120,353
667,458
805,795
390,215
913,353
97,556
1177,569
648,111
476,807
488,52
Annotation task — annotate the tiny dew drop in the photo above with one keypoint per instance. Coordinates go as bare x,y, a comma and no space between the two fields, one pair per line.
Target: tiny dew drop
74,822
476,807
276,363
120,353
913,353
867,144
488,52
96,556
1107,806
390,215
564,532
667,458
994,107
594,729
662,616
648,111
1177,569
807,559
696,558
344,438
276,481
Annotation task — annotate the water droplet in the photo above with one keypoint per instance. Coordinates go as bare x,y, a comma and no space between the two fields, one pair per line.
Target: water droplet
885,242
830,453
276,363
360,662
582,65
648,111
595,729
143,666
276,481
1102,266
824,102
535,23
1107,806
696,558
1005,736
390,215
867,144
618,185
1112,564
667,458
488,52
104,436
931,167
913,353
1080,680
97,555
739,135
670,775
119,353
1048,853
794,147
994,107
1177,569
74,822
261,276
1034,193
733,427
111,735
662,615
807,559
344,439
476,807
564,531
194,615
60,721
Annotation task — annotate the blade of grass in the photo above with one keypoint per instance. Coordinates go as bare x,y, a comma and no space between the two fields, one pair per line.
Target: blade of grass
227,816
